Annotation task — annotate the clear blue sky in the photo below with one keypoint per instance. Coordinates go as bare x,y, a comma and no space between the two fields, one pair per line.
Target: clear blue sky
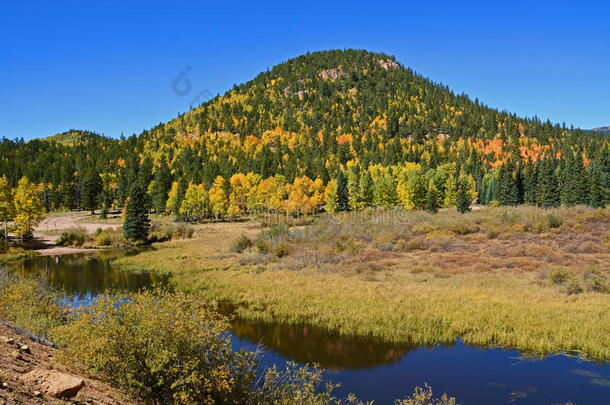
109,67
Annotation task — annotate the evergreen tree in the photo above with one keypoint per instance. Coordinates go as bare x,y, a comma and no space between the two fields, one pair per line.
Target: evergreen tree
343,196
463,195
432,200
162,185
548,185
137,222
596,191
92,187
507,192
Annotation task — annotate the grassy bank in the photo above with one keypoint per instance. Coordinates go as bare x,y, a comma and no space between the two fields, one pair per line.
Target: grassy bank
161,347
522,277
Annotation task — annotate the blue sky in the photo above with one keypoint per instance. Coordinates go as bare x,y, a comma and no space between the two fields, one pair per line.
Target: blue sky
109,67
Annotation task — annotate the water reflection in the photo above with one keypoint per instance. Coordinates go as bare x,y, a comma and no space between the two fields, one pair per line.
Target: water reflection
370,369
306,344
83,274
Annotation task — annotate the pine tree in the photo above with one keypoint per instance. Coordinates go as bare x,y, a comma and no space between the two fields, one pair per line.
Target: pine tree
92,187
463,195
137,222
163,183
342,194
432,200
548,185
596,191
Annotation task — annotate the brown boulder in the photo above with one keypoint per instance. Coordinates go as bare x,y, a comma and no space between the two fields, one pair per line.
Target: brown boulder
55,383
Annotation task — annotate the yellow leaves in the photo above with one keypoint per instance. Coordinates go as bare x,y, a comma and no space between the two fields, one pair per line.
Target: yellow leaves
28,207
218,198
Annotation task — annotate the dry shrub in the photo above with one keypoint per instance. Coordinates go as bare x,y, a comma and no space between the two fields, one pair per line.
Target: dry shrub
417,243
240,244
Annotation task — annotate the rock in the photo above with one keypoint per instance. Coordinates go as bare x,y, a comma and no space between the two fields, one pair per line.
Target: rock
16,355
62,385
6,340
37,393
4,385
55,383
25,349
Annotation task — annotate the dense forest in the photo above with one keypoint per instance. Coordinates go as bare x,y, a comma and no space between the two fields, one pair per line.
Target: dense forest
339,129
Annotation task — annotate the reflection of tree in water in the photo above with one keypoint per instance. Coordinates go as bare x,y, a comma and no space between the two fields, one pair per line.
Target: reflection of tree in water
307,344
86,273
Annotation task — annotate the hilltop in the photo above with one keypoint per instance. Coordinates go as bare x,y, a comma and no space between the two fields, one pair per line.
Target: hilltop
74,136
316,116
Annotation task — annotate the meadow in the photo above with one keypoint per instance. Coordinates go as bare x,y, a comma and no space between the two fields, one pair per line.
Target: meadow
520,277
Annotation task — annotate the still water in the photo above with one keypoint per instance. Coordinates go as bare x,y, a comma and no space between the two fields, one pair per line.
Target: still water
372,370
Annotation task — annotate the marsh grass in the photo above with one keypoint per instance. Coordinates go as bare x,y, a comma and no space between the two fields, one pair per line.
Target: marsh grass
414,277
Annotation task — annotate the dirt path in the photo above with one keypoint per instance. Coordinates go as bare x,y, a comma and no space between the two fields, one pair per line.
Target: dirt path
48,231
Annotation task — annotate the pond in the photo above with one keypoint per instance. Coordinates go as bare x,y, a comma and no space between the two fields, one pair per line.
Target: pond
371,370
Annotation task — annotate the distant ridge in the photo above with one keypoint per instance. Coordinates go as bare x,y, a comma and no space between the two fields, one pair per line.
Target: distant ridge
603,130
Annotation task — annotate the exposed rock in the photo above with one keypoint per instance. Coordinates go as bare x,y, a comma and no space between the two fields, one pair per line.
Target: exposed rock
16,355
25,349
388,64
55,383
6,340
331,74
37,393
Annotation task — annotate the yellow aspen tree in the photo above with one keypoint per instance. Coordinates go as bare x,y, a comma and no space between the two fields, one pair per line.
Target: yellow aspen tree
218,198
7,205
28,208
331,197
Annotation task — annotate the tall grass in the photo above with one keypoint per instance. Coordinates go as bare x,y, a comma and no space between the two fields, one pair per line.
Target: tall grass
416,277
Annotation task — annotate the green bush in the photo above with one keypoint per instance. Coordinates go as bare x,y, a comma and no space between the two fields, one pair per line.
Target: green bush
170,348
74,237
109,237
163,347
29,304
165,232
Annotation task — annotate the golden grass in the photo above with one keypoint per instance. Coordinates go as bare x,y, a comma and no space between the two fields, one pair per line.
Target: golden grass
420,278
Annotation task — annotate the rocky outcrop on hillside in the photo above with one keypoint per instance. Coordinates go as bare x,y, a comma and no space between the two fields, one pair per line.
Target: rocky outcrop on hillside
30,374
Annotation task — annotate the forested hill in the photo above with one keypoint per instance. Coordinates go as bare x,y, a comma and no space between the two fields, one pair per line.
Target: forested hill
322,115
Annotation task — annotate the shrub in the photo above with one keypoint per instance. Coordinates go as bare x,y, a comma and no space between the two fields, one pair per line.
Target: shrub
165,348
184,231
262,245
171,348
165,232
29,304
4,245
281,250
597,282
240,244
559,276
424,396
109,237
574,287
554,220
74,237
